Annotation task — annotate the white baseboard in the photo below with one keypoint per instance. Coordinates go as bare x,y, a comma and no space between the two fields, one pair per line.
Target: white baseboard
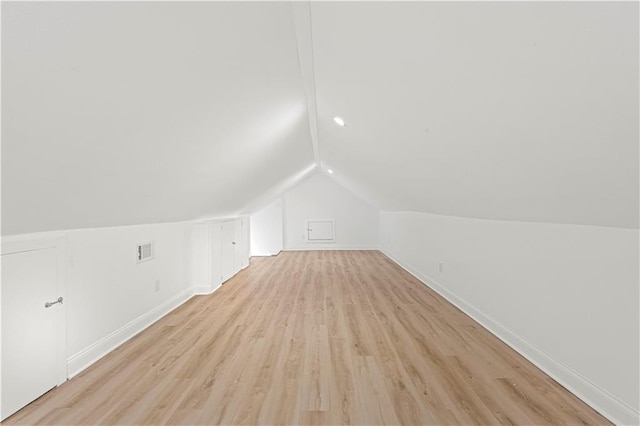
265,254
321,248
83,359
202,290
599,399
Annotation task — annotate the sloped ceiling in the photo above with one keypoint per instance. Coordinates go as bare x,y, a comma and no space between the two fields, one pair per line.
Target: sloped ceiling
507,110
127,113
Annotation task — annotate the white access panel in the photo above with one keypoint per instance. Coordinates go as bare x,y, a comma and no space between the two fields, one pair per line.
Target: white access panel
321,230
29,329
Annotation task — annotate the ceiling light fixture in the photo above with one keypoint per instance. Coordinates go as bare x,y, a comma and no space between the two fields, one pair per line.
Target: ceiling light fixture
339,121
330,171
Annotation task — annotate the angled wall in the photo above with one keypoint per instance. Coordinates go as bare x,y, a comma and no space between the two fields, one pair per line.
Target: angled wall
523,111
125,113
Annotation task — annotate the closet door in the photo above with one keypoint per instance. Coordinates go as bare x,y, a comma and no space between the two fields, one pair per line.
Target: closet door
228,248
237,239
32,321
216,255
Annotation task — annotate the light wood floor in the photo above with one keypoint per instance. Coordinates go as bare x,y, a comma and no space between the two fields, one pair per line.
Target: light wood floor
313,338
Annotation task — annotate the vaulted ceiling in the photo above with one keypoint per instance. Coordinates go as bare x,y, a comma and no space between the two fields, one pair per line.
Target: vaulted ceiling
126,113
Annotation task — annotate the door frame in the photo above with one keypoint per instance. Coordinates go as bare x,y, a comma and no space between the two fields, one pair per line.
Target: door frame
31,242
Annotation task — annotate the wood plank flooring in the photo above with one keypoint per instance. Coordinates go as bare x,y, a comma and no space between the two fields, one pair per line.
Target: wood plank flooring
332,337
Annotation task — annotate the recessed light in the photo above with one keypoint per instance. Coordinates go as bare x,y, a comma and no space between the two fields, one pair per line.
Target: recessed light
330,171
339,121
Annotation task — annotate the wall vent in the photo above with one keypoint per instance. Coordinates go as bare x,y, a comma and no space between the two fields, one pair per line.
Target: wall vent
145,252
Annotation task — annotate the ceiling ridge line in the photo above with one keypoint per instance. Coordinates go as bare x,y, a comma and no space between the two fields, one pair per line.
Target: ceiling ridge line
315,87
302,27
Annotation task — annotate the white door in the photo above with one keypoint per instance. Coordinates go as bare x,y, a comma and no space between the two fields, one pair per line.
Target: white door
216,255
29,329
228,244
237,238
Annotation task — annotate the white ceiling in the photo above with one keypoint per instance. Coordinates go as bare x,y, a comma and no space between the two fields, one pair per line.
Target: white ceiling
517,111
127,113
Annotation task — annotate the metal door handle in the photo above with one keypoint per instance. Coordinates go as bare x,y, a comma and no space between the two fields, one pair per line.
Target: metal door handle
49,304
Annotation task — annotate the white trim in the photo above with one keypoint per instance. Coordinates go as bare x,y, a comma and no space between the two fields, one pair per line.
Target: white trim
219,220
324,247
61,249
203,290
598,398
30,242
62,232
321,240
85,358
265,255
80,361
33,237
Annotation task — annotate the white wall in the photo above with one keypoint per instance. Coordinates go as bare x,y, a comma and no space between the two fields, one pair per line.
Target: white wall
565,296
319,197
200,259
110,296
267,230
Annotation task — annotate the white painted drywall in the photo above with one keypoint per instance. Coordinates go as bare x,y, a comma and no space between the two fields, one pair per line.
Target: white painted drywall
109,297
564,295
267,230
187,110
320,197
201,259
107,289
501,110
245,241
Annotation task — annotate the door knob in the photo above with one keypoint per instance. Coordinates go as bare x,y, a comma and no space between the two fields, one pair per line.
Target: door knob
234,243
50,304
